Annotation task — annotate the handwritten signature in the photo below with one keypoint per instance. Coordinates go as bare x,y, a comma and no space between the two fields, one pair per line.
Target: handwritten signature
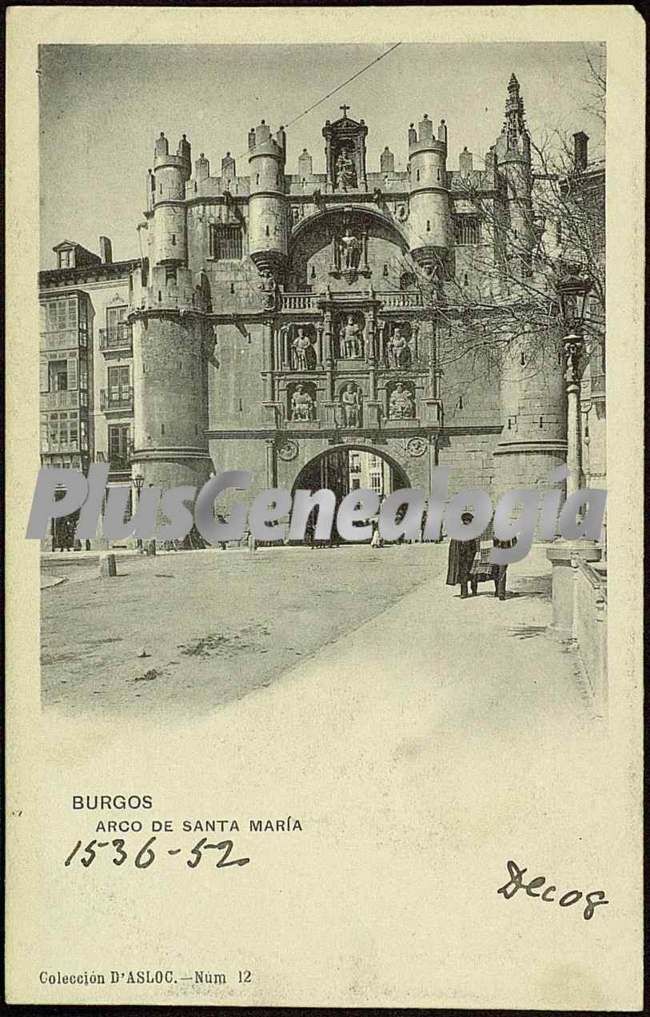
592,900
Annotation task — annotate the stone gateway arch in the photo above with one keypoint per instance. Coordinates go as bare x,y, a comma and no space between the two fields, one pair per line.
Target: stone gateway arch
277,317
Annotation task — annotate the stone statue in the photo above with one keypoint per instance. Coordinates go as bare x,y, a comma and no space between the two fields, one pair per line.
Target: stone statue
269,289
346,177
400,406
350,340
351,405
399,353
303,352
350,251
302,404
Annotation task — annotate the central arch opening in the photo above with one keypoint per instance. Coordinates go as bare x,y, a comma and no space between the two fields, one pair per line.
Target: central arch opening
343,470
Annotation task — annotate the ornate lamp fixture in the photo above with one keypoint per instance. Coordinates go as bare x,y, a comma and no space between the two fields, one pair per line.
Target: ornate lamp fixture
573,288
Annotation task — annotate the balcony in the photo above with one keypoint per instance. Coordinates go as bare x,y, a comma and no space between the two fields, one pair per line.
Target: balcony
299,301
116,400
400,298
118,339
59,447
68,399
389,298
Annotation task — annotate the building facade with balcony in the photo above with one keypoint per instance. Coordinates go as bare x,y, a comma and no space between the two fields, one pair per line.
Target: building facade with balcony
86,362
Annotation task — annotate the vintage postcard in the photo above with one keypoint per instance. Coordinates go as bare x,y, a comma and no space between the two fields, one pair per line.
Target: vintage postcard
324,382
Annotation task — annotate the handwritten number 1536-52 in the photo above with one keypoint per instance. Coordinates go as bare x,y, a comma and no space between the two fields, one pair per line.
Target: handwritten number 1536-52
146,855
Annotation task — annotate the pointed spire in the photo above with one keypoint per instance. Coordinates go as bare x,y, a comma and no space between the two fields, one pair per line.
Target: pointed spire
514,125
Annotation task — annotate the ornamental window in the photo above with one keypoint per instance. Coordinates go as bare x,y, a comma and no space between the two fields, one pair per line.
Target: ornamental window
225,242
467,230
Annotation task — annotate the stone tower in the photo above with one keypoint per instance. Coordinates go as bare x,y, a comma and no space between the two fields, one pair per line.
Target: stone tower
171,335
429,217
267,202
533,439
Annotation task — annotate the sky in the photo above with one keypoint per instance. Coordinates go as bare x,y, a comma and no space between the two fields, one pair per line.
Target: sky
102,107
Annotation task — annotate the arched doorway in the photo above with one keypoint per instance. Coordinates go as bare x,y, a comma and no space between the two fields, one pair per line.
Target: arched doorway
347,469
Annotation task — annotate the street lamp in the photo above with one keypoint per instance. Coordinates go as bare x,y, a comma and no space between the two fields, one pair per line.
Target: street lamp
573,289
138,483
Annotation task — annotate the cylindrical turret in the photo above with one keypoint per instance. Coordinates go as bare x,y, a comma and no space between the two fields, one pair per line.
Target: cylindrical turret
532,387
267,224
169,225
184,153
465,162
171,335
387,161
429,220
514,167
171,400
228,168
533,410
201,168
305,164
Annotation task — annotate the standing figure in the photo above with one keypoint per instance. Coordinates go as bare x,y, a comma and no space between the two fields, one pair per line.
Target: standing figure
461,559
399,354
303,352
351,406
350,249
351,342
301,404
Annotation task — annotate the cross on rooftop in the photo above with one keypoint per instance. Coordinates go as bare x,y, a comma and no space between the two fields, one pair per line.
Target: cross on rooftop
345,109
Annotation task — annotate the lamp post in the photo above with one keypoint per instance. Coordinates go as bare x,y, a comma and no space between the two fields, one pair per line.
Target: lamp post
573,289
138,483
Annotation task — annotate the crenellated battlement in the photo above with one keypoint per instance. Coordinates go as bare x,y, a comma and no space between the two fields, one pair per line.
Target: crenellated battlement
424,139
181,161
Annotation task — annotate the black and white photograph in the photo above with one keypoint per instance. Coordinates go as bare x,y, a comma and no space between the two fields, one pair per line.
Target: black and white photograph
381,287
341,301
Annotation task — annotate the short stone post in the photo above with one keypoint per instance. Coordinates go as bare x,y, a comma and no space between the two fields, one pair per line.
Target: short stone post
107,565
560,555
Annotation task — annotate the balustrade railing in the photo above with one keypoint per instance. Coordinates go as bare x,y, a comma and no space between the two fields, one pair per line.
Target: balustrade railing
118,337
68,399
400,298
118,398
298,301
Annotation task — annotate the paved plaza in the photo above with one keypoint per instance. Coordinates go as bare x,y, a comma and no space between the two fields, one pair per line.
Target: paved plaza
191,632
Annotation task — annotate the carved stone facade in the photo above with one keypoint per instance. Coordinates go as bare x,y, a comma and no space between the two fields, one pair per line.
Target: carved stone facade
275,317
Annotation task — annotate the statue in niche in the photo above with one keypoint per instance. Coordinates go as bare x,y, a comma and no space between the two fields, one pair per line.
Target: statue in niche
399,351
400,405
346,175
351,405
350,251
302,404
269,289
350,340
303,353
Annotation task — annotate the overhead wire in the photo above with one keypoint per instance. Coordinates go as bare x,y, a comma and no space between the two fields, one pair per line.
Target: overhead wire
333,91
